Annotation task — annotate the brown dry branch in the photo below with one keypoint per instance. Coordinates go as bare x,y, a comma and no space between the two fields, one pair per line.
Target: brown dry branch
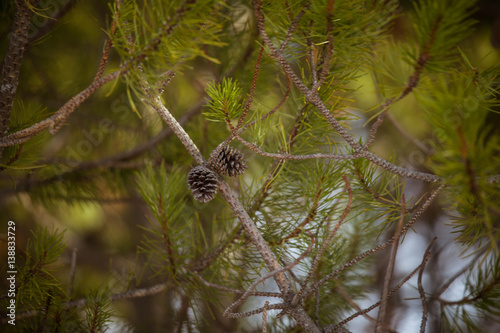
310,216
425,308
381,320
136,293
329,47
264,317
252,91
293,26
237,291
72,271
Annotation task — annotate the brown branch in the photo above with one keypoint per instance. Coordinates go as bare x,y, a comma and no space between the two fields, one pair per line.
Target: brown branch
109,43
51,122
381,320
252,90
136,293
166,237
264,317
12,61
236,291
287,156
72,271
425,309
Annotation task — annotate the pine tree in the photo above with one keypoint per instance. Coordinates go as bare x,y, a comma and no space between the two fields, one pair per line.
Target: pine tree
237,166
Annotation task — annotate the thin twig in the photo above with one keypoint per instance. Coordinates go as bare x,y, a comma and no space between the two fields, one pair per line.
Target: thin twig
310,216
11,67
286,156
252,90
264,317
413,81
381,322
52,121
425,309
109,43
237,291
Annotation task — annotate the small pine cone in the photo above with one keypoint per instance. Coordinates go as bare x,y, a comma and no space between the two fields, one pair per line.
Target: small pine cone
203,183
227,161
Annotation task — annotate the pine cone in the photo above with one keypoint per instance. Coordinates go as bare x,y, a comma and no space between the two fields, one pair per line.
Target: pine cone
227,161
203,183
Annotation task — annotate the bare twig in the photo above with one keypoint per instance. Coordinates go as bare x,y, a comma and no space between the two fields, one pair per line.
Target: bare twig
237,291
425,309
381,322
286,156
52,122
252,91
136,293
12,61
264,317
109,43
413,81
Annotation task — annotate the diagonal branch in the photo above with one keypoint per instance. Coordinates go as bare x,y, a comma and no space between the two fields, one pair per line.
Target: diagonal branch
52,122
390,269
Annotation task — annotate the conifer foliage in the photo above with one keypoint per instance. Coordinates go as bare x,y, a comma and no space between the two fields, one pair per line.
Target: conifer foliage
250,166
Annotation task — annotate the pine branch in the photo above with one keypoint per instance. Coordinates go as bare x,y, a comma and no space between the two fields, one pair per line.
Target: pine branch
12,62
53,121
315,100
231,198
